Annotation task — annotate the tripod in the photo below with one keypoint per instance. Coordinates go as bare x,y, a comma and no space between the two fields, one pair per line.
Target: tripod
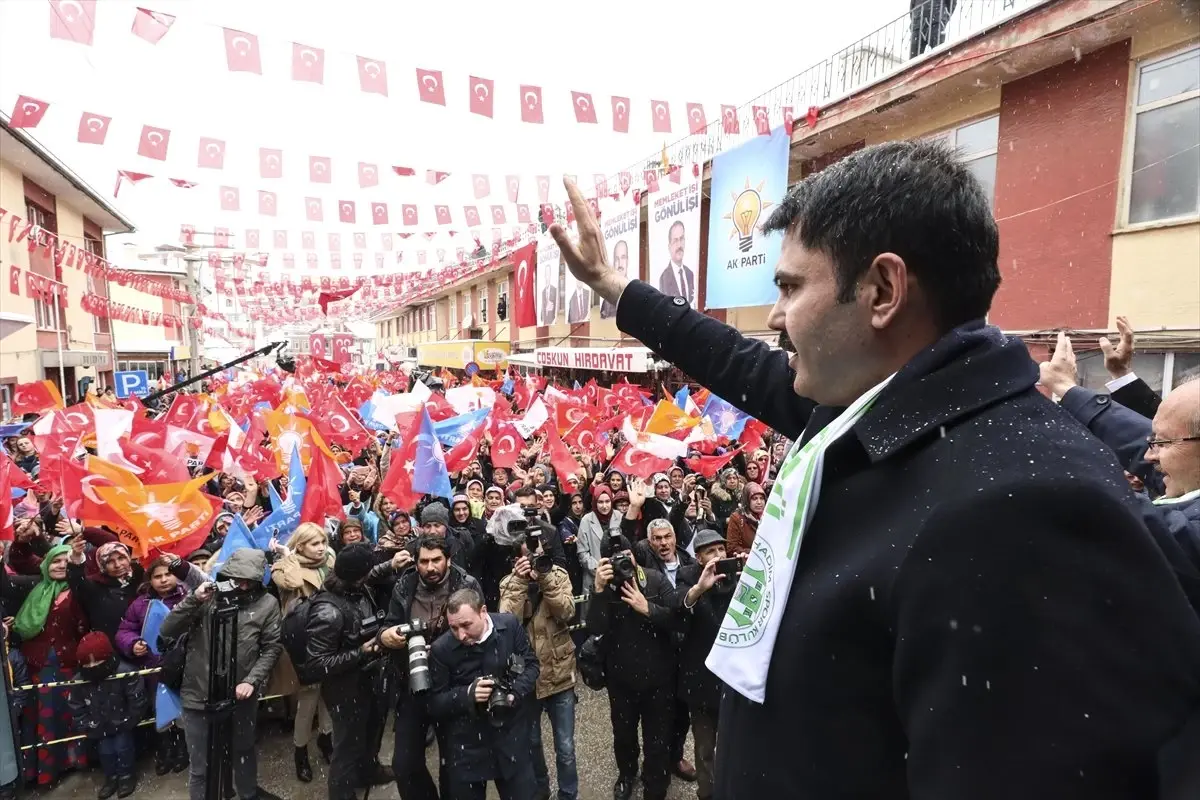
222,680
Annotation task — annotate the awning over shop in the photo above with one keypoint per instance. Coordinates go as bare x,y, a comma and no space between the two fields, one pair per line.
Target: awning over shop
456,355
611,359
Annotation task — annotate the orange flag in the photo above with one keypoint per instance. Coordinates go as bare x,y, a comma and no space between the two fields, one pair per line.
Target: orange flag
669,418
290,431
160,514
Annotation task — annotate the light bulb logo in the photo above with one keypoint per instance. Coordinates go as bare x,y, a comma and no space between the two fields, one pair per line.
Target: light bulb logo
748,206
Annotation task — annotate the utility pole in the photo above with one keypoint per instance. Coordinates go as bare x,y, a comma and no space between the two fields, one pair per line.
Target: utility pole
193,287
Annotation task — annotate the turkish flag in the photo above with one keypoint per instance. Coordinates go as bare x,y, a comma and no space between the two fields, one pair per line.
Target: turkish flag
33,398
523,213
482,186
506,445
322,494
498,215
730,121
316,345
788,120
346,211
513,183
442,213
308,63
281,238
582,435
79,484
650,178
409,212
762,124
252,239
266,203
385,241
531,104
229,198
212,153
433,177
311,260
151,26
601,182
324,299
153,142
221,237
632,461
560,457
524,272
335,242
368,175
320,169
379,214
465,452
379,261
289,261
709,466
93,128
429,86
372,76
543,184
481,96
241,52
28,112
585,110
696,121
187,234
308,240
660,115
397,481
404,172
472,215
312,207
620,114
73,20
270,162
421,257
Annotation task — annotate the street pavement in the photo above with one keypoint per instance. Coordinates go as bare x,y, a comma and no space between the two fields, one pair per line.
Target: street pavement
276,771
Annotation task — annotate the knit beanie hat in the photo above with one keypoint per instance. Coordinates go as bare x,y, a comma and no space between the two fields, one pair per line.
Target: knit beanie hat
435,513
94,646
354,562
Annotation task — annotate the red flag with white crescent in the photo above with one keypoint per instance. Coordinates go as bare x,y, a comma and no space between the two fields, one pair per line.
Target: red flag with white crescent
506,445
524,274
632,461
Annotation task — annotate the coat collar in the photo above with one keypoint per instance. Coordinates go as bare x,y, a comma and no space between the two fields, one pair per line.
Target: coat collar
970,368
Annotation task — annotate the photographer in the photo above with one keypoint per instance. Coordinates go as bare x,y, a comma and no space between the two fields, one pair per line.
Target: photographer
419,598
631,609
483,676
538,592
702,595
258,647
342,651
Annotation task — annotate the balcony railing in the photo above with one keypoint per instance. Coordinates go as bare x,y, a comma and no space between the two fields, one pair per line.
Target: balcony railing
930,26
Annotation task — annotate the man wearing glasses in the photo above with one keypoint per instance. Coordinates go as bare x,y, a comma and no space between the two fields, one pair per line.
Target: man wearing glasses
1168,445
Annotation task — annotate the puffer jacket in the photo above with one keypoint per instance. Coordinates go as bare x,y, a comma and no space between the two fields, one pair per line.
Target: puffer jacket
130,631
105,708
546,609
723,505
259,641
588,544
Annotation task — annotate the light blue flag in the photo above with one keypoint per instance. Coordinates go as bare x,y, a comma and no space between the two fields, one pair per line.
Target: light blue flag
507,386
285,513
155,615
453,430
167,707
429,473
577,386
237,537
726,420
681,398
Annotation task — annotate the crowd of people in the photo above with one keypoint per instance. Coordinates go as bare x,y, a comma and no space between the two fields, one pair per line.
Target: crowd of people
982,606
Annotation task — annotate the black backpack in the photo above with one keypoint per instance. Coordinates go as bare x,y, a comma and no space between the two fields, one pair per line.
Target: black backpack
174,658
294,632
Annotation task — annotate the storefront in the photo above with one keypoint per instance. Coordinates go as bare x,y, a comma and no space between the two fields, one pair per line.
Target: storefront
457,355
565,365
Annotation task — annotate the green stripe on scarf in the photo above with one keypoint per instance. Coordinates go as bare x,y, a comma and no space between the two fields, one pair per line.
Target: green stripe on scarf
31,619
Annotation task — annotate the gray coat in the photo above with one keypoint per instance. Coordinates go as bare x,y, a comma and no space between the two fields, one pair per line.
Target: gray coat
590,537
259,642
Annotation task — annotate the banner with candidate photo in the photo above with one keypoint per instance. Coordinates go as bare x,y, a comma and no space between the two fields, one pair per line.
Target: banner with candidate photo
747,182
577,296
619,220
674,241
549,259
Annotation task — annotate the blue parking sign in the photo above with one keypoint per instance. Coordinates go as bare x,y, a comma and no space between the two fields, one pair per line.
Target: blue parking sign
132,382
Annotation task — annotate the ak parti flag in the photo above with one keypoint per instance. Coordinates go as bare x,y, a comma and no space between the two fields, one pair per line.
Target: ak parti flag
160,514
289,432
669,418
34,398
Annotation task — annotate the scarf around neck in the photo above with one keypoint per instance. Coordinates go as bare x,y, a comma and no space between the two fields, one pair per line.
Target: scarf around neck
31,619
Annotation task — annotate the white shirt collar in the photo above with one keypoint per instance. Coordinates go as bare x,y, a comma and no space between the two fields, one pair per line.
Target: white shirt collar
487,631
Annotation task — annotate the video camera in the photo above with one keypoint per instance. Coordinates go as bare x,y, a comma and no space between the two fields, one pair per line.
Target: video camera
501,703
528,531
418,655
623,565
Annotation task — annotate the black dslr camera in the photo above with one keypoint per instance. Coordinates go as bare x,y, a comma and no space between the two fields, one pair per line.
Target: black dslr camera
418,655
502,703
623,565
528,531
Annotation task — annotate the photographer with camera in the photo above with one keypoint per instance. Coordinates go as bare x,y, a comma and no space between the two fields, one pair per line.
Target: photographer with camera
702,594
258,647
631,610
538,592
416,617
483,675
343,655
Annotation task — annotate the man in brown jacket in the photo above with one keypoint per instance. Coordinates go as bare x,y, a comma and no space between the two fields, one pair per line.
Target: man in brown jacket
538,592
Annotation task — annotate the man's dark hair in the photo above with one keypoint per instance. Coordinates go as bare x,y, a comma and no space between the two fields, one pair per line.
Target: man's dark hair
429,542
525,491
676,224
464,597
914,199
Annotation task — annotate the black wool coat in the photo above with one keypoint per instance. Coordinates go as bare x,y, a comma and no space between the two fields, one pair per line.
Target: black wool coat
975,612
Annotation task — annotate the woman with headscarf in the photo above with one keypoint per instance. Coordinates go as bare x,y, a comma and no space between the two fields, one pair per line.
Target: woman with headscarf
299,571
468,530
724,494
743,524
48,624
596,526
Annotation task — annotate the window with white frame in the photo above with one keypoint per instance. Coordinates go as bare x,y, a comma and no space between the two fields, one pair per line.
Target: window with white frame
1161,371
483,300
502,297
452,304
976,144
1164,181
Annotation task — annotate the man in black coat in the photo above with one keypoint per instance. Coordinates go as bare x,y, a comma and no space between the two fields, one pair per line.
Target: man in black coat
480,655
971,609
638,627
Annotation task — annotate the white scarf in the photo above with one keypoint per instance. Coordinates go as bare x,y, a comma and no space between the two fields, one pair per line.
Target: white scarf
1183,498
741,655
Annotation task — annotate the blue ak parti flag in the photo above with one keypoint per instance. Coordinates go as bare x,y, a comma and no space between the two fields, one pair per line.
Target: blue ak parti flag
507,387
450,432
167,707
681,398
726,420
156,612
429,472
285,513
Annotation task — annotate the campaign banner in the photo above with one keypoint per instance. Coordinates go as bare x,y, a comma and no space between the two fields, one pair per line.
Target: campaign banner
675,239
549,259
622,240
746,182
577,296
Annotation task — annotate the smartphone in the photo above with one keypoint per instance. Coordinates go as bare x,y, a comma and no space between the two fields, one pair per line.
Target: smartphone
730,567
